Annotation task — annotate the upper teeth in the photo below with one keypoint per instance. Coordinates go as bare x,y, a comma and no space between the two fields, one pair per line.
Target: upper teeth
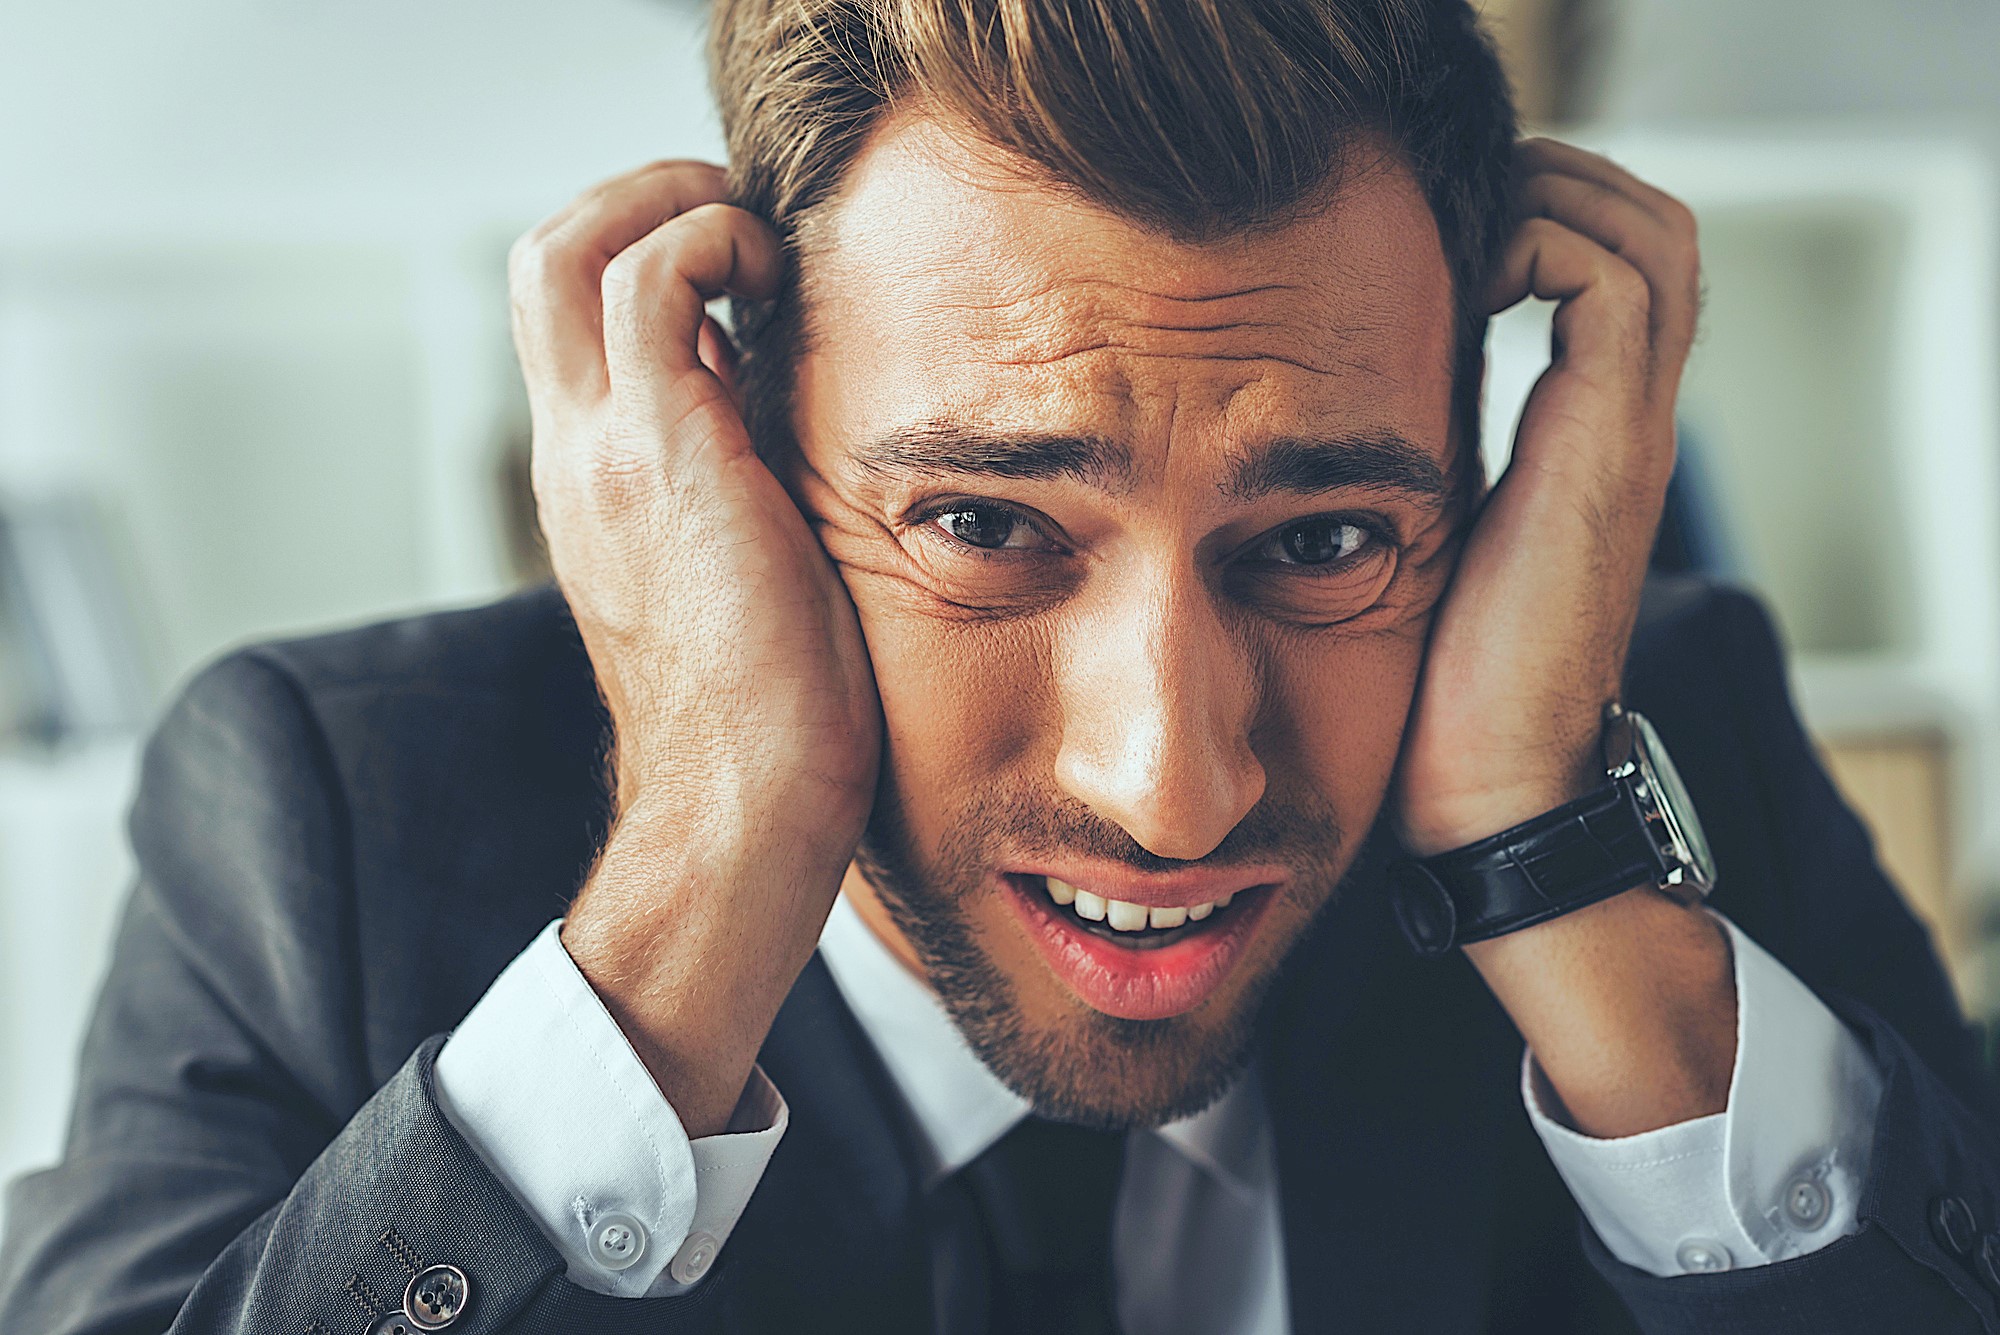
1128,917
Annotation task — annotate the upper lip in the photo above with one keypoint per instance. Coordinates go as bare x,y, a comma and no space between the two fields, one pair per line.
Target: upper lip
1154,890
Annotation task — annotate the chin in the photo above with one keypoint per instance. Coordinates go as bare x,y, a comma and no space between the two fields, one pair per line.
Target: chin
1105,986
1072,1060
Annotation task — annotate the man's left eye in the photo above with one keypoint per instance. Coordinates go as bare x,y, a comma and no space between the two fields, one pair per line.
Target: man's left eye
989,527
1319,541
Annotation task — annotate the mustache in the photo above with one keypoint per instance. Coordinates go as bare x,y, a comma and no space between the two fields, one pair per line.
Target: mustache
1298,832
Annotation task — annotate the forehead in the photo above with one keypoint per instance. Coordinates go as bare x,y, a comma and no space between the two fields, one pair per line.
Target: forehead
944,284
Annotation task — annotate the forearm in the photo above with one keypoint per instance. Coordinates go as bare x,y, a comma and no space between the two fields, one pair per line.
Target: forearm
1629,1006
692,936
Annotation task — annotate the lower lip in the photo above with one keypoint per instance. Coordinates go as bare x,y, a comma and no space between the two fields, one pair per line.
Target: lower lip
1132,983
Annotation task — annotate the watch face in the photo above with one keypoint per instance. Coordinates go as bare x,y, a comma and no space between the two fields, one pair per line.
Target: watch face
1686,844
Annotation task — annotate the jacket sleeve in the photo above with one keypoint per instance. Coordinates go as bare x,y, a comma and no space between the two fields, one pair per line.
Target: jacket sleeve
1927,1253
229,1166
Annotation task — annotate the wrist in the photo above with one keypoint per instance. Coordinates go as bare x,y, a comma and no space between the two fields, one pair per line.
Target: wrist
1629,1007
1440,824
692,943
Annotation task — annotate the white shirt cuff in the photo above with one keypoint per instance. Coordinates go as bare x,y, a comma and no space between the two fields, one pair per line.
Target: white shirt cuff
1776,1174
540,1080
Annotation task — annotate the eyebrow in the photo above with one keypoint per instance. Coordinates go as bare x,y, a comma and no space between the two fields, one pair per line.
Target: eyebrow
947,447
1379,461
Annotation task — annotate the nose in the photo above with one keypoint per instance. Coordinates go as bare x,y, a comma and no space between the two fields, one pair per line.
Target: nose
1158,698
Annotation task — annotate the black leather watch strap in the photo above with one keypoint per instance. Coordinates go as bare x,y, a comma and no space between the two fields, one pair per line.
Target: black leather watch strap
1590,849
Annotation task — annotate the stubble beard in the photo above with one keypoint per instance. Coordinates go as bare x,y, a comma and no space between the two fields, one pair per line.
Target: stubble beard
1091,1068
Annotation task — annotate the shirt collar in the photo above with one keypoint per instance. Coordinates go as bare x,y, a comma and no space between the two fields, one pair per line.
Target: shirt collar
960,1107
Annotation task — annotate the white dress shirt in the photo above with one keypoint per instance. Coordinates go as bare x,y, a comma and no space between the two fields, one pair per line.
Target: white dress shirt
542,1083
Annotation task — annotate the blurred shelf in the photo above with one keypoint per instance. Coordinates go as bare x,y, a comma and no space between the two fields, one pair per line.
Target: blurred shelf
286,435
64,870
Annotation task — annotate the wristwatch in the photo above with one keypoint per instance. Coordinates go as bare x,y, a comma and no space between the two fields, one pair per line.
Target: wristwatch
1638,829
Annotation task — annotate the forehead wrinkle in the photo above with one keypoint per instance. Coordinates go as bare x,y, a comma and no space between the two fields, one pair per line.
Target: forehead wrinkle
1061,320
1056,358
1049,284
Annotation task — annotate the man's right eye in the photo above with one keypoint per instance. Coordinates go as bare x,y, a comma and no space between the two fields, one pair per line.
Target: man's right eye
988,527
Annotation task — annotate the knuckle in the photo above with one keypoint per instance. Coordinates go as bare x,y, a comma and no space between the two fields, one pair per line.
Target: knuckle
1682,218
529,264
1687,257
1598,196
1538,231
649,261
624,277
1625,281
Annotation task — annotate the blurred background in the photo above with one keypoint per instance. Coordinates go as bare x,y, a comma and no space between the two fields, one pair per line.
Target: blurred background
255,375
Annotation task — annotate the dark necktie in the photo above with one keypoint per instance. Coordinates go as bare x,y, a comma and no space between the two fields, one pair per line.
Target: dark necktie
1022,1241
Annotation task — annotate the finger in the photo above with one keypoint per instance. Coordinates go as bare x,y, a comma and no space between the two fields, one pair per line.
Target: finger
1535,155
1603,318
555,272
1666,257
655,295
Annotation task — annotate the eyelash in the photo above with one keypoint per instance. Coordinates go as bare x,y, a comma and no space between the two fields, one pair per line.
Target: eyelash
1378,532
927,518
1377,537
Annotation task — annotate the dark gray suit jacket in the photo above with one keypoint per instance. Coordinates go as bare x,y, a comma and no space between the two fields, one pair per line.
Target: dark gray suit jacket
343,840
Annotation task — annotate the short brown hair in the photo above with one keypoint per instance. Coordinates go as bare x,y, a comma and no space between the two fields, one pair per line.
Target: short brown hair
1194,117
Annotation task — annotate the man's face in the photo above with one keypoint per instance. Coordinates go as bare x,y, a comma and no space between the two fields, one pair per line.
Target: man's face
1144,538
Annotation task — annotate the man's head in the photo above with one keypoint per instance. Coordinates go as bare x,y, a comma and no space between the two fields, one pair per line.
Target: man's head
1128,370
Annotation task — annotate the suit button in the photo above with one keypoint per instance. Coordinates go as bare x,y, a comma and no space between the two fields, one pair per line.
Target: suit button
1989,1261
395,1324
1704,1256
1953,1226
436,1297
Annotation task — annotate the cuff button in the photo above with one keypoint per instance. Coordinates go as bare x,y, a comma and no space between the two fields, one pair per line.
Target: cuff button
396,1323
617,1241
1807,1204
436,1297
1953,1226
694,1258
1702,1256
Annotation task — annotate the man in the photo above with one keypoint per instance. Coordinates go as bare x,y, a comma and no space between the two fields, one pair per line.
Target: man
1053,676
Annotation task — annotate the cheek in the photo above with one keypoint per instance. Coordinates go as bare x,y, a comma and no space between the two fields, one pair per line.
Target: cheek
1343,708
964,705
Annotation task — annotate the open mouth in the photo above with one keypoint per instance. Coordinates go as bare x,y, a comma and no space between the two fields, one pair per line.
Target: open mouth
1132,960
1133,926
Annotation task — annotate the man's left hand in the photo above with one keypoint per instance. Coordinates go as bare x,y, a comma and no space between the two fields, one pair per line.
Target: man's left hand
1628,1005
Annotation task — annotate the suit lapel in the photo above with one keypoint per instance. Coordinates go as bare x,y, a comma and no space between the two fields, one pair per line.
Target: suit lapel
1391,1080
834,1226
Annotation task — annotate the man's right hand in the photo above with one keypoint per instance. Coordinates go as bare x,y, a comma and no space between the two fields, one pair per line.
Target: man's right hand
746,720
